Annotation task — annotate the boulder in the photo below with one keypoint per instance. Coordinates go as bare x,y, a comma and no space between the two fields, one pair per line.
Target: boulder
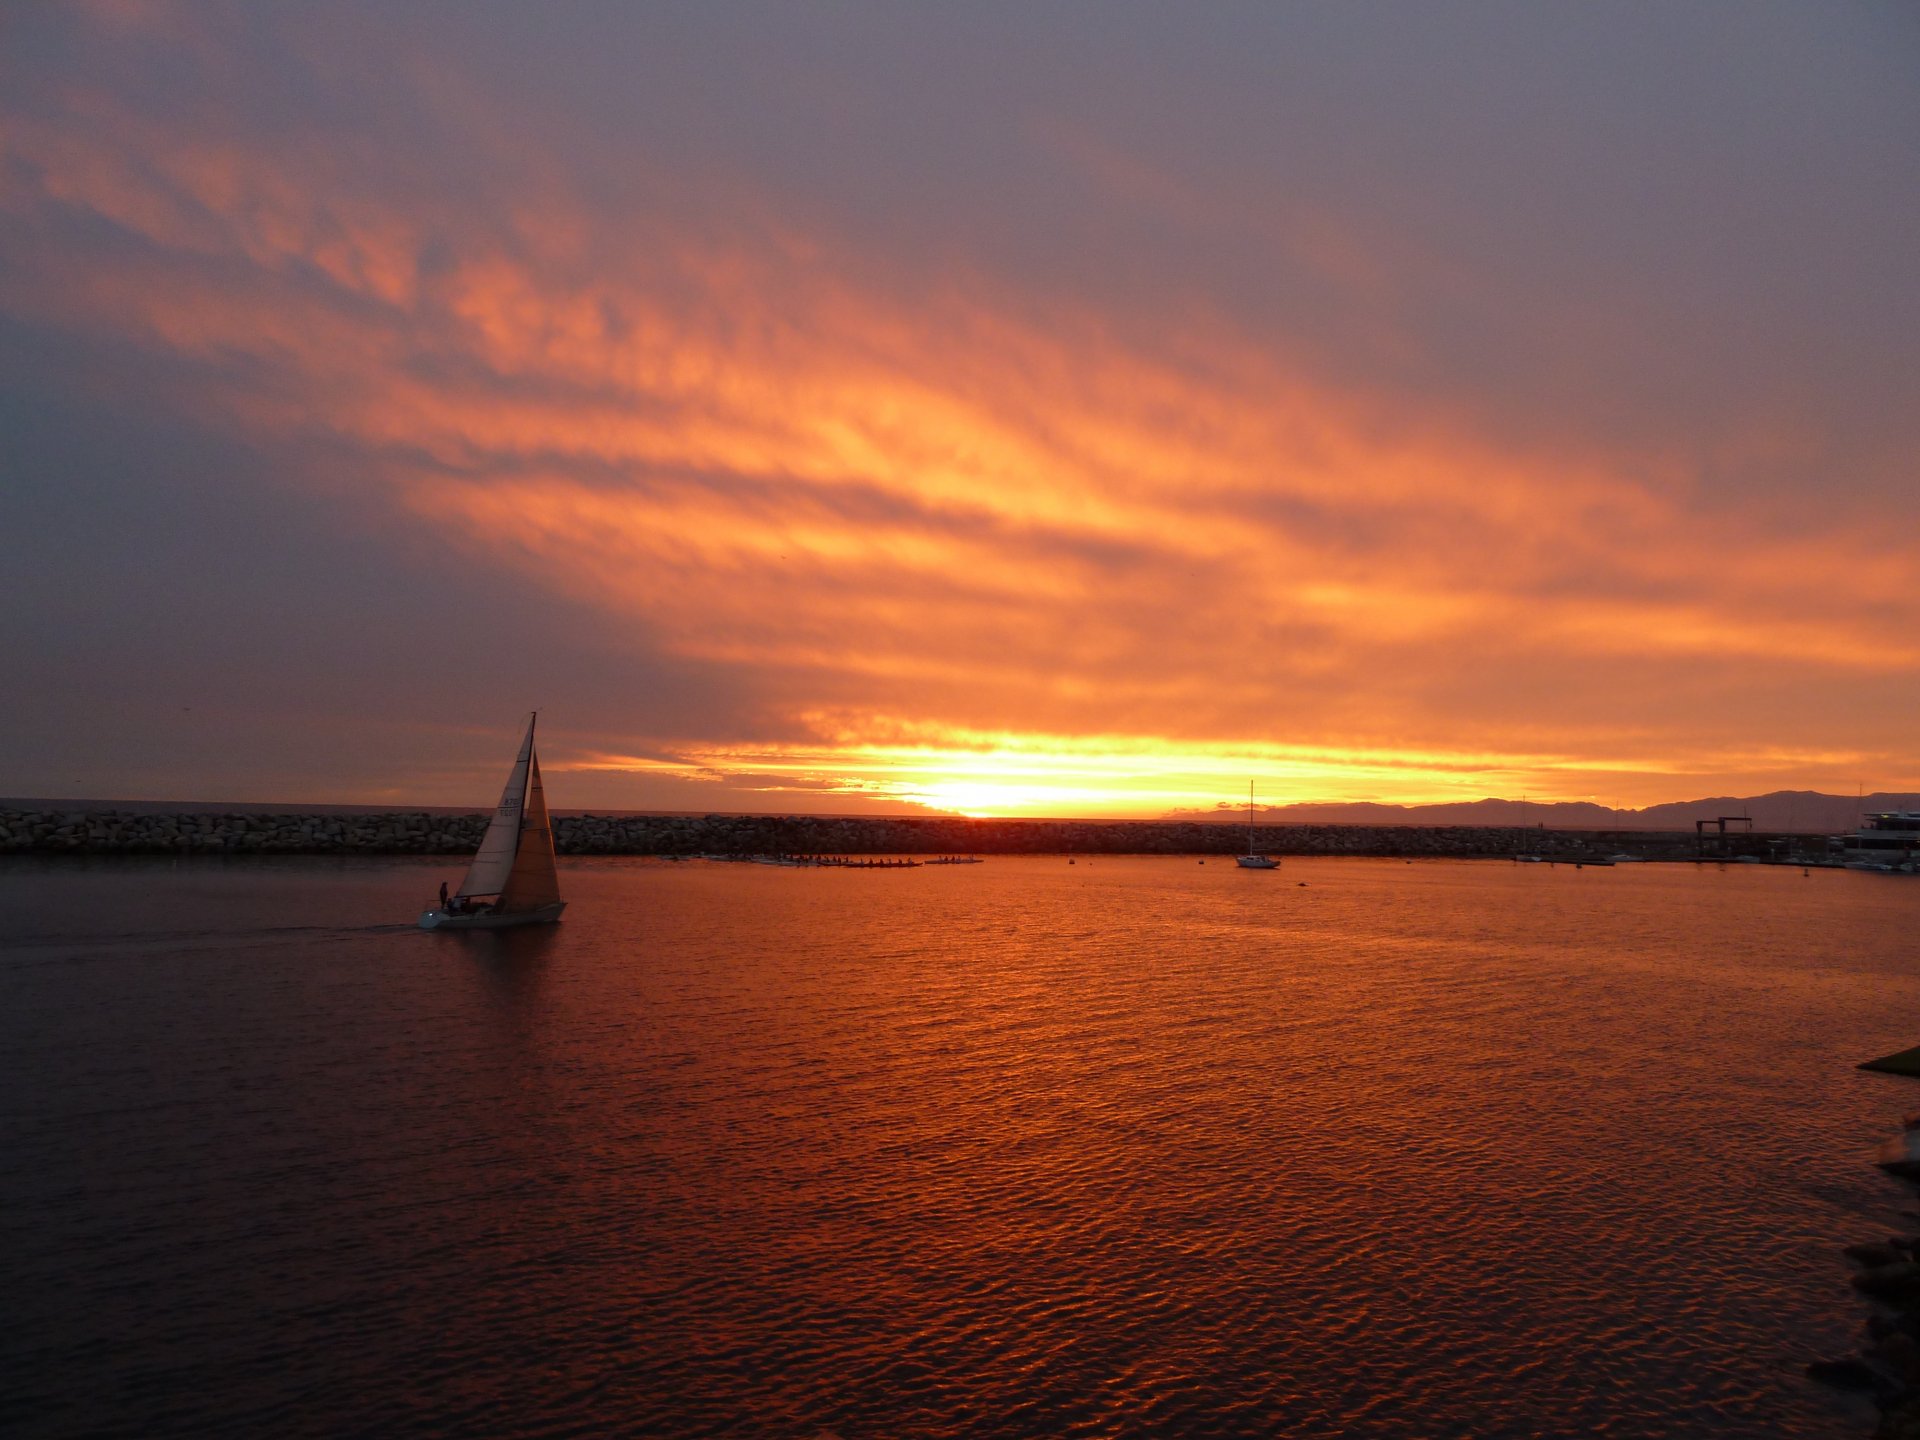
1847,1374
1900,1155
1900,1281
1899,1353
1875,1252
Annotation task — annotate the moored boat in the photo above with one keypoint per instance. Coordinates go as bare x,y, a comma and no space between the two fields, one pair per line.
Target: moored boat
1251,860
1888,841
512,880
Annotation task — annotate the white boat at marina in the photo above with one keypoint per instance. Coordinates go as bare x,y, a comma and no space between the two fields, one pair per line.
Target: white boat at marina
512,880
1889,841
1250,860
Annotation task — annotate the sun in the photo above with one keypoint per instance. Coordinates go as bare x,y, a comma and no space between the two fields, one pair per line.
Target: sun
983,799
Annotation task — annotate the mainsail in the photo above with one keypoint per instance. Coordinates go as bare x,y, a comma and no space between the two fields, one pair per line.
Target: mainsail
515,861
532,882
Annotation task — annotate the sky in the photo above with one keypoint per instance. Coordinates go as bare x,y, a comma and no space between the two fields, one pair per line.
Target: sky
1060,410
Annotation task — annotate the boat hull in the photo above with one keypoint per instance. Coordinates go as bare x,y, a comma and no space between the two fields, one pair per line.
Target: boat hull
1256,862
440,920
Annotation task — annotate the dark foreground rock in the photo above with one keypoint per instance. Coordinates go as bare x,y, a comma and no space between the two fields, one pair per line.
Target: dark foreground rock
419,832
1876,1252
1900,1281
1847,1374
1888,1366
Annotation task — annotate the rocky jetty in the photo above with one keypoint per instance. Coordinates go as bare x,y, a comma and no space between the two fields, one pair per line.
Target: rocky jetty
1887,1272
418,832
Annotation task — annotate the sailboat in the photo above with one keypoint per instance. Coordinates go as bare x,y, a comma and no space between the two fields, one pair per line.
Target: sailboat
1251,861
511,880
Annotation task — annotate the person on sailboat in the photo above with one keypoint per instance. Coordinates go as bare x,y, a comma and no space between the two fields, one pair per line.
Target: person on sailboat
443,894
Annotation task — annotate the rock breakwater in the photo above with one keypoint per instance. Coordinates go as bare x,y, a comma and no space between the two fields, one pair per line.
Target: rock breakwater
418,832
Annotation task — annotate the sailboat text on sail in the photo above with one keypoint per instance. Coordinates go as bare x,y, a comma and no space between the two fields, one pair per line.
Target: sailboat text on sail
512,880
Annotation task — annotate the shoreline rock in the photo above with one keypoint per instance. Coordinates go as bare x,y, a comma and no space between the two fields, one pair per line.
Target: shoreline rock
420,832
1888,1365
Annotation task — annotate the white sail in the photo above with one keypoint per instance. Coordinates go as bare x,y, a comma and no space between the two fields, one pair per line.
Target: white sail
533,883
501,844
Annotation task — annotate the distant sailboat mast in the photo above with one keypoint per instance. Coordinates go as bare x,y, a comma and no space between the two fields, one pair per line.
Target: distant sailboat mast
1252,860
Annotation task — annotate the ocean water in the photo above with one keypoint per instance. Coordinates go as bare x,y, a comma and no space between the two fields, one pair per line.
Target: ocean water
1125,1147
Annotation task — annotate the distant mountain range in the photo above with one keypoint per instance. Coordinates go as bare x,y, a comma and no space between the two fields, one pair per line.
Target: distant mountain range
1803,811
1806,811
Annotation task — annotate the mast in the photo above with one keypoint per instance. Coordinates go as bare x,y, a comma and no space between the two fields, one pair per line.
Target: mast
533,883
1249,817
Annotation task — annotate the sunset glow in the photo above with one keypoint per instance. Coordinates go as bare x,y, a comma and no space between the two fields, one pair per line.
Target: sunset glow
793,504
1131,777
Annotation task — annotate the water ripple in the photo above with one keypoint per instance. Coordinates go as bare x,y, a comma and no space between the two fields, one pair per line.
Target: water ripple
1140,1148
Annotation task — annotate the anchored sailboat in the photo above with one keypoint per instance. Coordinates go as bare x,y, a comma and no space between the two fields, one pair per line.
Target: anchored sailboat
512,879
1251,861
